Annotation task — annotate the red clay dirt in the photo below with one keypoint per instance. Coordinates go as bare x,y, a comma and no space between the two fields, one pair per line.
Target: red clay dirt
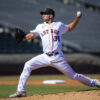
40,82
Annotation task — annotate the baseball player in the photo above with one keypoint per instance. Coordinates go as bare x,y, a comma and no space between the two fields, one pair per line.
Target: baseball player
50,32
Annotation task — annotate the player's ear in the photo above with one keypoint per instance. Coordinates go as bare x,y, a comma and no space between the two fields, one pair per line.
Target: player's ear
51,16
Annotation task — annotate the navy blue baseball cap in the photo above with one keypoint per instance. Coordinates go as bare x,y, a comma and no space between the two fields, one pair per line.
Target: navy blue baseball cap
48,11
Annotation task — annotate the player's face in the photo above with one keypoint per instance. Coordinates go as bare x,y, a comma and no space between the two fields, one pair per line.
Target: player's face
47,17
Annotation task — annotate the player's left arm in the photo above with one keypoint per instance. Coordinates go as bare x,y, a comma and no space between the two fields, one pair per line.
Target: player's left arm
73,24
29,36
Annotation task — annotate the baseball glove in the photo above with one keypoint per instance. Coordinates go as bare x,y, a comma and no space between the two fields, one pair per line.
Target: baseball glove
19,35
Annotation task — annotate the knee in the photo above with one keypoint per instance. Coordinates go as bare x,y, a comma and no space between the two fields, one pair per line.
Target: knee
73,76
77,76
27,66
26,71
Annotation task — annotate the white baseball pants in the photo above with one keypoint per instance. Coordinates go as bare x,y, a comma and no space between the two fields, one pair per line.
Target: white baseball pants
58,61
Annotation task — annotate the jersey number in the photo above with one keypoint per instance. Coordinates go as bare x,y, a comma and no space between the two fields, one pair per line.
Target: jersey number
56,38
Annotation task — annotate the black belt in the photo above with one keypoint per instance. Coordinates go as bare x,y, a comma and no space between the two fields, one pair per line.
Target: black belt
52,53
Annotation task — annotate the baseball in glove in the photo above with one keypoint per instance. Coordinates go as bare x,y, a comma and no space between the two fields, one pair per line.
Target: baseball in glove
19,35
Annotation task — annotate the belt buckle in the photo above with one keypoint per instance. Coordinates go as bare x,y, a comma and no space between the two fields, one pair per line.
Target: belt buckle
50,54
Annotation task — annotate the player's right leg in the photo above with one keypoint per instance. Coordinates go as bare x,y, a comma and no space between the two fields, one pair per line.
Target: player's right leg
34,63
65,68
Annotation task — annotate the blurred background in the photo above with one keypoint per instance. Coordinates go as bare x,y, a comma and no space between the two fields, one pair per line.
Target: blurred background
81,47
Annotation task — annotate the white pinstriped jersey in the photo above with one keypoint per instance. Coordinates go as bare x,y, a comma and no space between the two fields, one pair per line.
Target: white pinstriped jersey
51,35
51,40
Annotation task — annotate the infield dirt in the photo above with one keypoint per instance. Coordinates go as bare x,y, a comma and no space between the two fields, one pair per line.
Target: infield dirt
83,95
40,82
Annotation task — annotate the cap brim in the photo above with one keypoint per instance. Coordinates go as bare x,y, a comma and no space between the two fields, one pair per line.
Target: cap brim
46,13
42,12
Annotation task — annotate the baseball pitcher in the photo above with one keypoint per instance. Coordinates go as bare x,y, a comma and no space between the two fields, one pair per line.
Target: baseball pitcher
50,32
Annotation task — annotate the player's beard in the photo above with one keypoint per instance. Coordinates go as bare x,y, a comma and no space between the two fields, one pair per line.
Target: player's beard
46,20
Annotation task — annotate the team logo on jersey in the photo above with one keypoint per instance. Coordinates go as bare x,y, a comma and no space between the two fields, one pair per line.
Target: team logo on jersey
51,31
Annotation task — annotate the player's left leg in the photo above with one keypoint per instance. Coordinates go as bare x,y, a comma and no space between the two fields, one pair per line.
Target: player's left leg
65,68
35,63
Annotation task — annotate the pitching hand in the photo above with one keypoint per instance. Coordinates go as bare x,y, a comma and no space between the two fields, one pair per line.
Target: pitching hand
79,14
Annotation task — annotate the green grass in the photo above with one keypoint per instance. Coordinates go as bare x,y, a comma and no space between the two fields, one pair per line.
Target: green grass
6,90
42,77
34,77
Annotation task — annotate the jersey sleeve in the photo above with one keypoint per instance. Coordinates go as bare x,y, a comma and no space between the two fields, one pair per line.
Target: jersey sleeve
64,28
35,31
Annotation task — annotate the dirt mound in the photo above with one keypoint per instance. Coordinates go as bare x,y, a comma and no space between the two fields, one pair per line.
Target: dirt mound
83,95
